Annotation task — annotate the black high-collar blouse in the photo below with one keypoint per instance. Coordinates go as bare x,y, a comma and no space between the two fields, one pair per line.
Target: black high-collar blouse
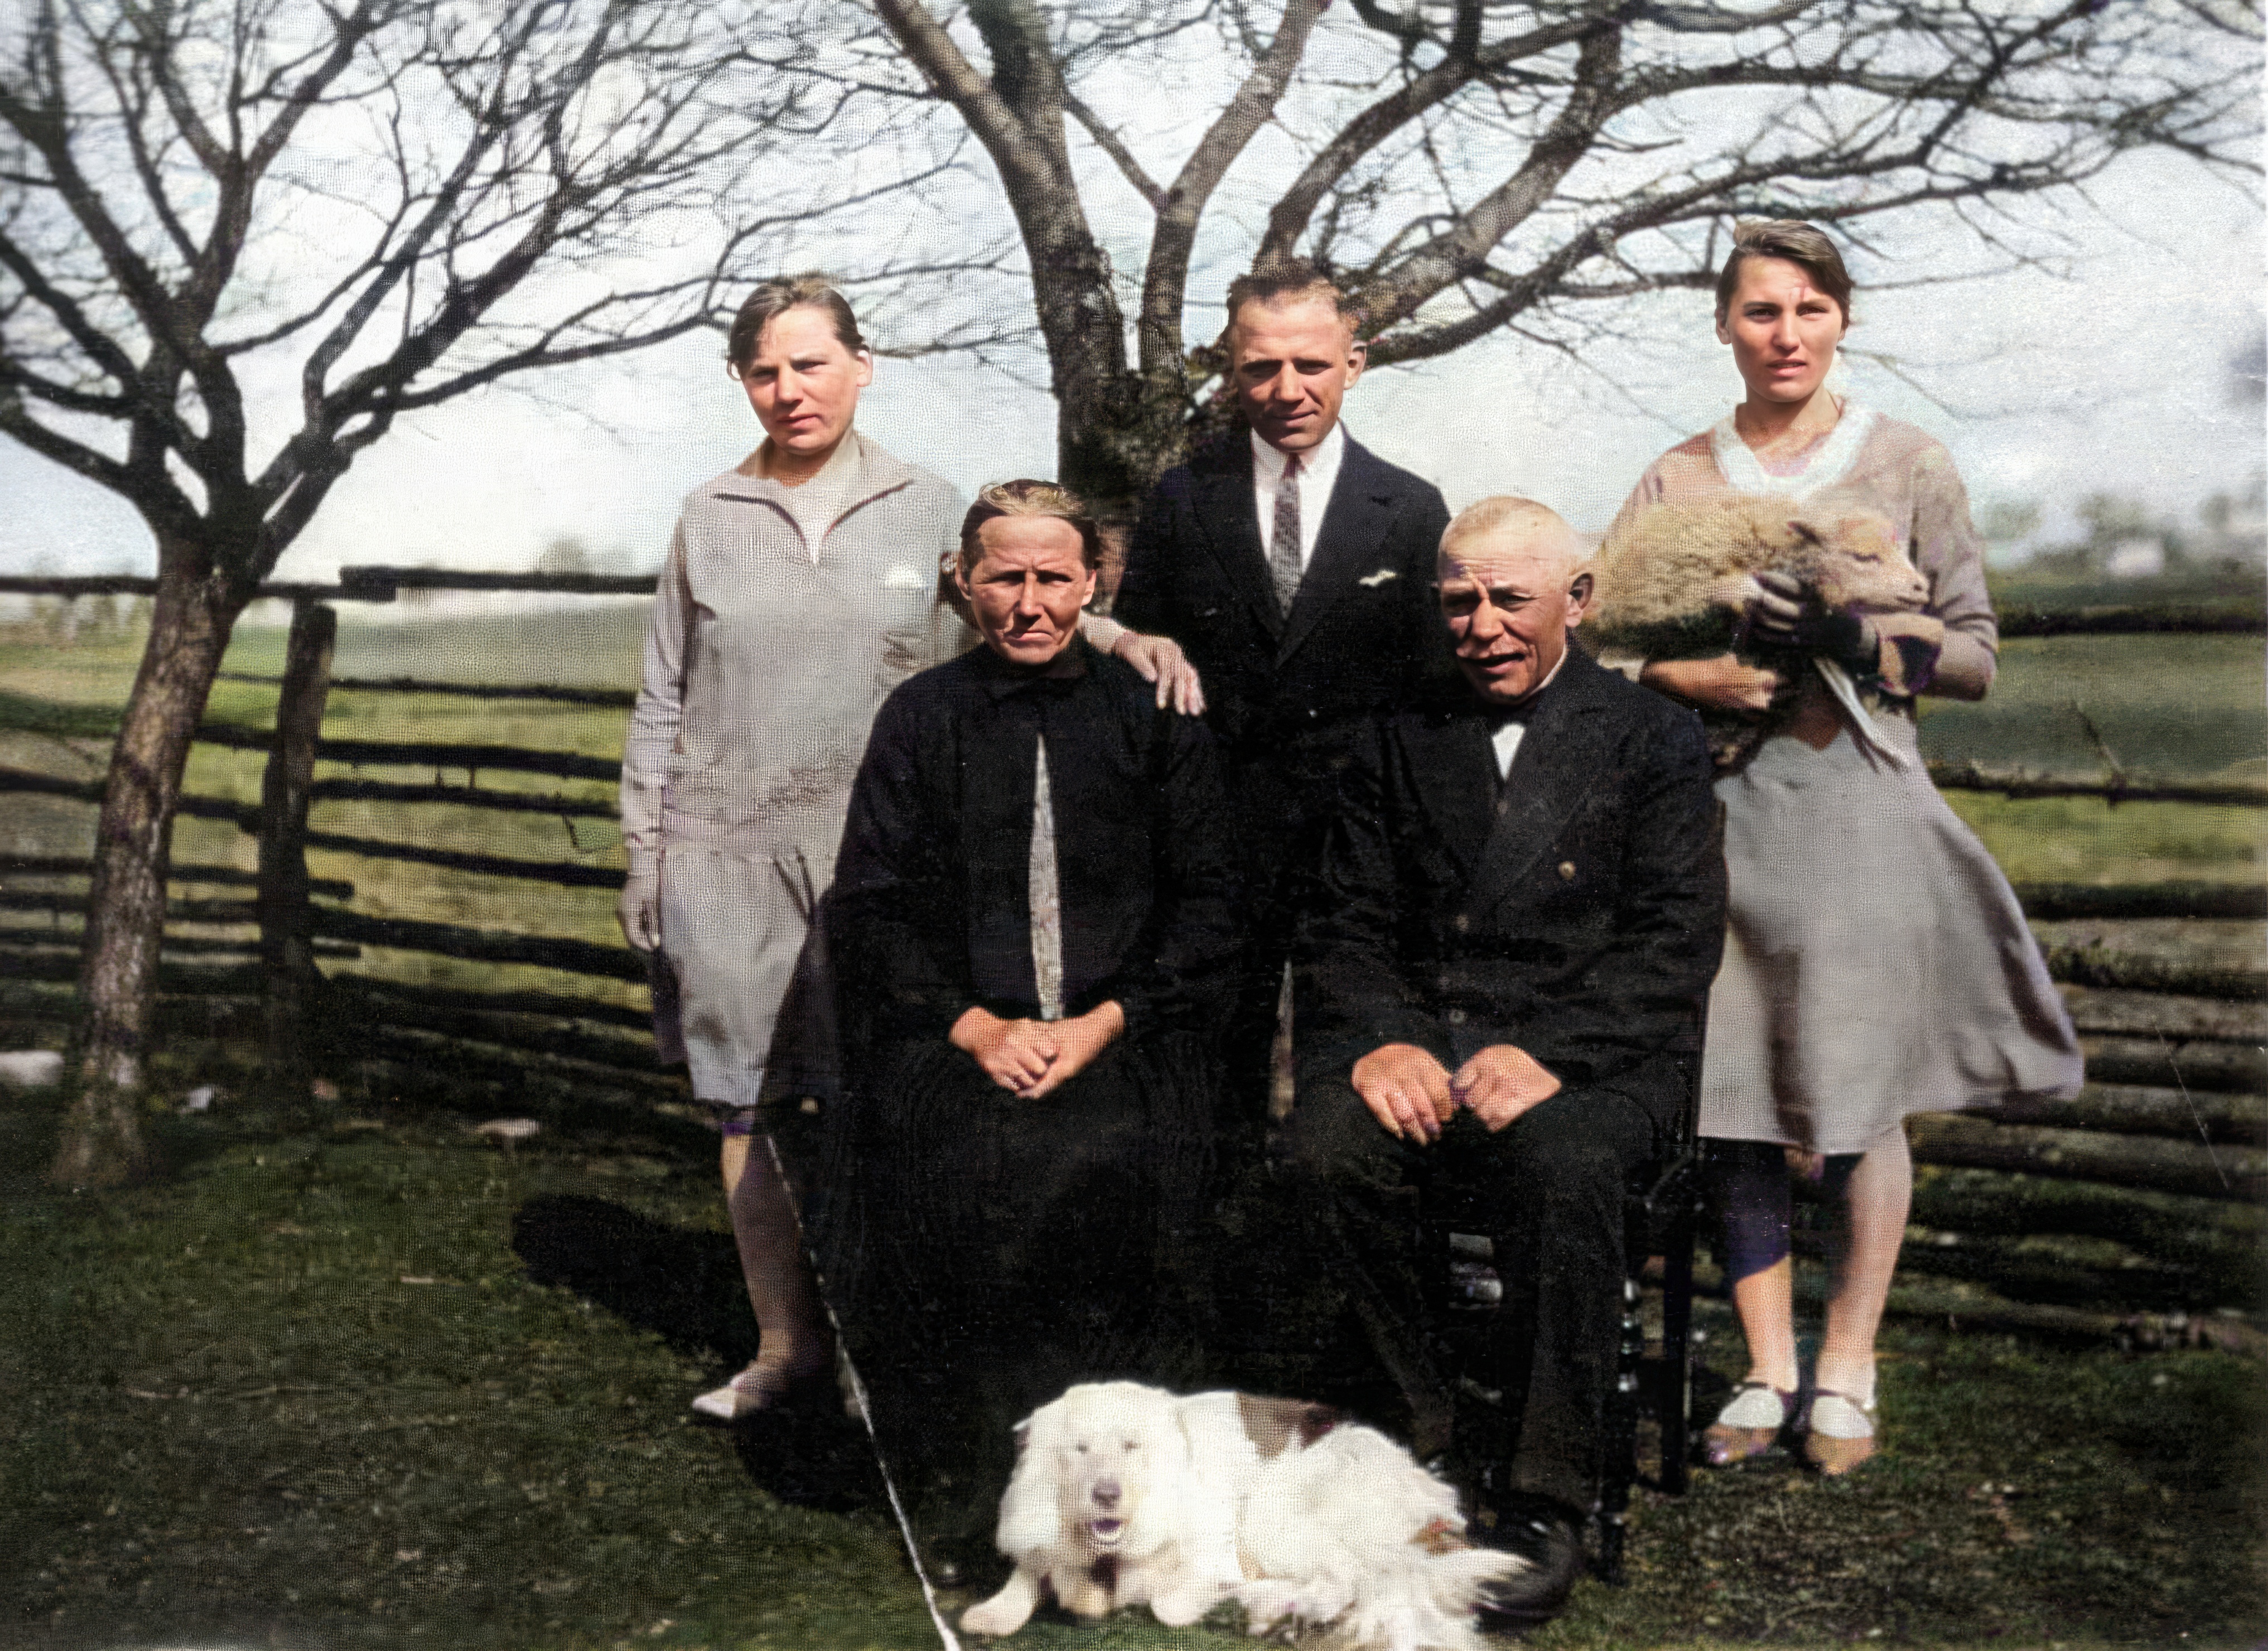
931,908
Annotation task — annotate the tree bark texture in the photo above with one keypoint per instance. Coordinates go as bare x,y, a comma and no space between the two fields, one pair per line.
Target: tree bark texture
101,1143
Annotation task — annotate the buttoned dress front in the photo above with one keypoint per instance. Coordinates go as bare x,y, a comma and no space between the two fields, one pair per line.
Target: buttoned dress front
1876,962
765,661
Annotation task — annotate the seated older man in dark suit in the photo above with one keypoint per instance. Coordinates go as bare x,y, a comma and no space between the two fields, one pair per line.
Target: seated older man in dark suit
1502,975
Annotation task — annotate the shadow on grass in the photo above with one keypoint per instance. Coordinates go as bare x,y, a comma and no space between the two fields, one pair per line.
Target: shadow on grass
684,1286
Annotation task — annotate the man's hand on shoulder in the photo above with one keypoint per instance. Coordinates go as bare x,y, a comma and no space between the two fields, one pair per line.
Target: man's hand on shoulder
1406,1091
1160,660
1500,1083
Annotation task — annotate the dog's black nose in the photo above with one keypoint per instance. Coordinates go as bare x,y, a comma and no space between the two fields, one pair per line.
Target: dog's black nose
1105,1492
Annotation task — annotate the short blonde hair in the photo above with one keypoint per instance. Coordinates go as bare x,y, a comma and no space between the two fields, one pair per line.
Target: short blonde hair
1507,512
1293,281
1028,498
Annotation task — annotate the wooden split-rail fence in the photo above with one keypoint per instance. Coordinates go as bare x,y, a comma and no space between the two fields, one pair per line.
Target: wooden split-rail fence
2135,1209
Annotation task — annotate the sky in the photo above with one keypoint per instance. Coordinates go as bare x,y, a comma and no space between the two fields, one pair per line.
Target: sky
2113,377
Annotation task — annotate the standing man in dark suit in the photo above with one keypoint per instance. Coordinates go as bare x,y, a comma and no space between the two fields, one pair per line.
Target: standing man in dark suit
1503,976
1295,569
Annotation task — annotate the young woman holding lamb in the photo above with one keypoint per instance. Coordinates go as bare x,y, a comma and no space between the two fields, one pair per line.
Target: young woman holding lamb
1876,962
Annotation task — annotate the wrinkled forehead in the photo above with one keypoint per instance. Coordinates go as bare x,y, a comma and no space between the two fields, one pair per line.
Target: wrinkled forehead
1527,563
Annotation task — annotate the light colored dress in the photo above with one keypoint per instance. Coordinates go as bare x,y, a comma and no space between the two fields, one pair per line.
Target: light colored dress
766,658
1876,962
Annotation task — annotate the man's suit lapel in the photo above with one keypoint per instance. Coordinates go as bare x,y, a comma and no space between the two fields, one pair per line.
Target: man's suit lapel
1451,767
1355,519
1558,764
1226,506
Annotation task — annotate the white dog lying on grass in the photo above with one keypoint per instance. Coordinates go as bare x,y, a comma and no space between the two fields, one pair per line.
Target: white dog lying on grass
1129,1496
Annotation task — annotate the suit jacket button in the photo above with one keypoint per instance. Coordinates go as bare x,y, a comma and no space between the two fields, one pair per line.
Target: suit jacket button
1455,1017
1460,922
1566,871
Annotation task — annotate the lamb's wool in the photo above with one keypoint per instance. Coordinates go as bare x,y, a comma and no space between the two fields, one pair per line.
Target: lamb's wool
1672,583
1679,572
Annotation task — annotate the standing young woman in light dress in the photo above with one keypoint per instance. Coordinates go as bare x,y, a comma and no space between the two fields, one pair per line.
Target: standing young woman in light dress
1876,962
801,586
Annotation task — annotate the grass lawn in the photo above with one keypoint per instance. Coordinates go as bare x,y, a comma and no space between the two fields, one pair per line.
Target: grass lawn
353,1377
346,1375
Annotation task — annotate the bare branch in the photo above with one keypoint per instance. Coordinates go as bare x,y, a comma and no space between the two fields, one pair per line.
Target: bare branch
1110,142
1166,282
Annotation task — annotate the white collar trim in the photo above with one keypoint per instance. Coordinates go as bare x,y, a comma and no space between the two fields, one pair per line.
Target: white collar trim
1827,466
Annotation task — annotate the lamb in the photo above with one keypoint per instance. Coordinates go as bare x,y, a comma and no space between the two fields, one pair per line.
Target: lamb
1672,584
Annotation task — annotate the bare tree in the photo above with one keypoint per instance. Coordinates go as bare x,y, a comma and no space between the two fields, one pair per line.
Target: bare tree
1474,166
382,204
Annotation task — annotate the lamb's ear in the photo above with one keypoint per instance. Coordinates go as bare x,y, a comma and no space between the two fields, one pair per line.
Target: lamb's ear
1023,1439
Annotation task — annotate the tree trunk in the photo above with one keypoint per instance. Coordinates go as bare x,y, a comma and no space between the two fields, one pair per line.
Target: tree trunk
101,1143
1117,432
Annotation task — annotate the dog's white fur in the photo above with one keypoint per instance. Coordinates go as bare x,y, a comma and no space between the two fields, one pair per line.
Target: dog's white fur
1129,1496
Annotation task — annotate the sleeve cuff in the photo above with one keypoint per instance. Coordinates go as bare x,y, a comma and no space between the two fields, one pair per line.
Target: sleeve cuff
1102,634
1909,646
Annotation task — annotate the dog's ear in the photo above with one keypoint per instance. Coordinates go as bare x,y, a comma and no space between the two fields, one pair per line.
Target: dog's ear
1029,1516
1175,1490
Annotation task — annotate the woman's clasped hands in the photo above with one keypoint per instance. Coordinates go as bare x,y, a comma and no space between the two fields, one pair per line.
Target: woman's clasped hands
1030,1058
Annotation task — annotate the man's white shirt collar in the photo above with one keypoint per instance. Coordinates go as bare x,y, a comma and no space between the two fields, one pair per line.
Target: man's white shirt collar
1319,473
1507,736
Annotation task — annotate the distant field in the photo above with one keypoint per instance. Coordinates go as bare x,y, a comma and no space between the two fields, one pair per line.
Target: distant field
2165,705
2175,706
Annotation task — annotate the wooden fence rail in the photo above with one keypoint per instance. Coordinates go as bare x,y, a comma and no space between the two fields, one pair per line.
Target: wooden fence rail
518,759
615,698
2146,1187
2020,783
78,865
2132,621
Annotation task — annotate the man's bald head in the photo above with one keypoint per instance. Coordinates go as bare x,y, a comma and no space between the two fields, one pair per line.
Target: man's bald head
1512,581
1517,526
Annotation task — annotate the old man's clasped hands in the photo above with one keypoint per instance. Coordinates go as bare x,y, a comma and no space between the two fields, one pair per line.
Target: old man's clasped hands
1410,1093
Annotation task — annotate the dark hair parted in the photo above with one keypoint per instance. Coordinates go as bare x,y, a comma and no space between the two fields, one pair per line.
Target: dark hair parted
1798,242
774,298
1028,498
1287,280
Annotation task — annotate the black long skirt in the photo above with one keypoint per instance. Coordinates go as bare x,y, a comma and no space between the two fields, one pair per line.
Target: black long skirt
984,1252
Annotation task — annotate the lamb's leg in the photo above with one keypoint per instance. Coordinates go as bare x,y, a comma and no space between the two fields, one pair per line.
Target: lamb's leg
1006,1610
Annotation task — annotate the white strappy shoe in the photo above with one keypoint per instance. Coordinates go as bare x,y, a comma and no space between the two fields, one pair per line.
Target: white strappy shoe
1838,1433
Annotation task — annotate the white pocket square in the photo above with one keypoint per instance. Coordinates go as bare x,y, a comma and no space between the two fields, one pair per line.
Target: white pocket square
1374,580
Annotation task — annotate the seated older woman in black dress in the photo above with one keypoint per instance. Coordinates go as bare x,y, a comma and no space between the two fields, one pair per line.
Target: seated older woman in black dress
1033,935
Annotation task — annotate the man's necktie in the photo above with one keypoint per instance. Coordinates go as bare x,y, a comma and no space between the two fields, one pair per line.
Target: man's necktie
1284,543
